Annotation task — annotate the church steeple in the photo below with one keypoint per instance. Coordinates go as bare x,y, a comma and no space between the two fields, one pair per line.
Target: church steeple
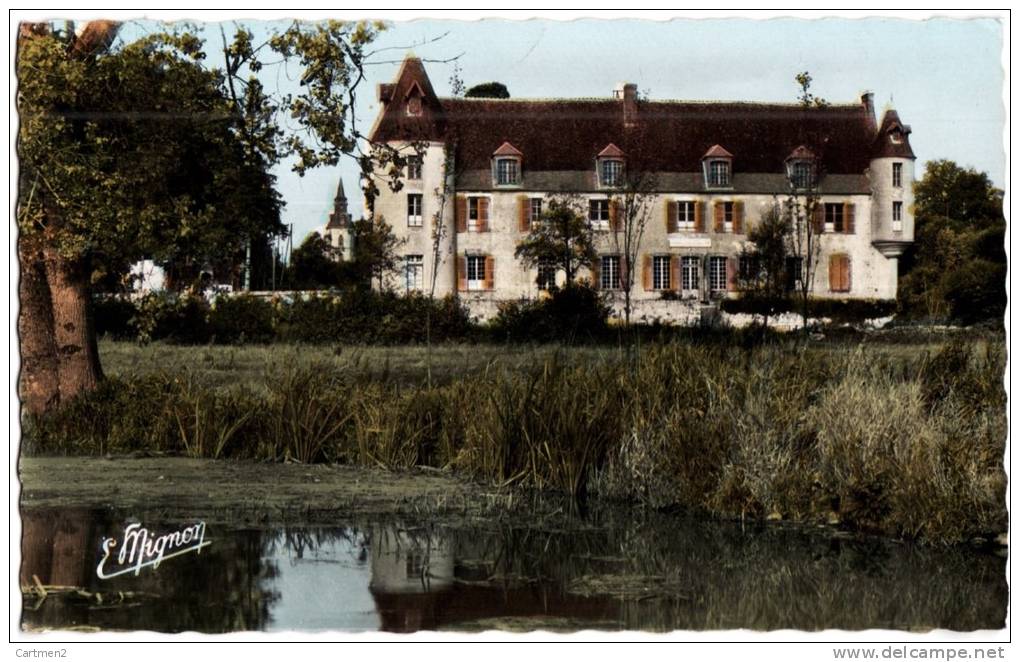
339,217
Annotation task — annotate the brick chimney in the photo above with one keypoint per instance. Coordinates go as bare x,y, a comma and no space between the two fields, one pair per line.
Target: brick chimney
868,101
629,104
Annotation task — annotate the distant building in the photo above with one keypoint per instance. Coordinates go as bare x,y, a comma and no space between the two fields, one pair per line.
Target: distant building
339,231
718,166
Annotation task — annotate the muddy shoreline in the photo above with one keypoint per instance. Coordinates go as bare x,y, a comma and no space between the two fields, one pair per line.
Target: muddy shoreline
260,493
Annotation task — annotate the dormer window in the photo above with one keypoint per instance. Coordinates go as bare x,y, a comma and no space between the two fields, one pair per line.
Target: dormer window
413,99
718,173
610,164
611,173
506,165
800,168
717,164
414,106
508,172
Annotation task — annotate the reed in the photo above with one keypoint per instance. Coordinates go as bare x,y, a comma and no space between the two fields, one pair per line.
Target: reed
909,444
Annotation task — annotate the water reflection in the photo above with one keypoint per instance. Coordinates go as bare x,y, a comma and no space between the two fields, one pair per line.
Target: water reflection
615,570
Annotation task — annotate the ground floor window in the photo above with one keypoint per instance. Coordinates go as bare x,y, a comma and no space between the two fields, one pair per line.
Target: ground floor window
546,276
414,272
794,268
717,273
414,204
690,270
660,272
476,272
609,275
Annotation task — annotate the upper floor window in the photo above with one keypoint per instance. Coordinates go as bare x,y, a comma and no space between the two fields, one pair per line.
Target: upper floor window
598,211
414,167
897,216
719,173
534,210
834,219
611,172
685,215
801,174
414,204
897,175
508,172
474,214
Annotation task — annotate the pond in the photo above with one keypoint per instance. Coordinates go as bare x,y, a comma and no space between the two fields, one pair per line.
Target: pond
610,570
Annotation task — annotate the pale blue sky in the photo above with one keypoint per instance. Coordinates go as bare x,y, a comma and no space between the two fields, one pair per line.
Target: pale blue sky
943,75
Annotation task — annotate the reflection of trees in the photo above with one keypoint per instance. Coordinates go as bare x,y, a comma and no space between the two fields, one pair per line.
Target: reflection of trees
706,575
225,588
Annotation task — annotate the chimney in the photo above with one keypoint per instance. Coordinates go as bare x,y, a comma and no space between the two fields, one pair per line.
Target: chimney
629,104
868,101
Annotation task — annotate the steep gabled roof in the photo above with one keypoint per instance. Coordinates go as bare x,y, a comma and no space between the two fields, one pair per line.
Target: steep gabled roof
893,138
667,136
717,152
611,151
506,149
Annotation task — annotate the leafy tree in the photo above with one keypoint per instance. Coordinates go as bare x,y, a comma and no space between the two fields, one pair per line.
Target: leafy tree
376,250
314,265
956,266
561,237
763,274
633,208
124,153
491,90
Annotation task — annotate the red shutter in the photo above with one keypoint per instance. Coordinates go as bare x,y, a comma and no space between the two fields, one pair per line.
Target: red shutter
818,218
848,218
646,273
671,216
490,271
524,213
624,272
719,214
596,263
462,273
483,214
674,267
613,216
699,216
731,273
738,217
460,213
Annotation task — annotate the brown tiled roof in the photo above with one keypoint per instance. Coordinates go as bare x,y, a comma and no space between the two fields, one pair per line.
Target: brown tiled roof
506,149
610,151
717,151
668,136
885,145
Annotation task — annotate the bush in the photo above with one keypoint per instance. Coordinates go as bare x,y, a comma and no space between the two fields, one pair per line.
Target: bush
113,317
243,318
576,313
165,316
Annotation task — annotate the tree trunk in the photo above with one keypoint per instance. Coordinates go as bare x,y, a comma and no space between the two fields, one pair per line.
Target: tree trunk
38,384
74,331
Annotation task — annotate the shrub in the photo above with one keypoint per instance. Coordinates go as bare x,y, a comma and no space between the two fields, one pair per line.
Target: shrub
576,313
239,319
167,316
113,317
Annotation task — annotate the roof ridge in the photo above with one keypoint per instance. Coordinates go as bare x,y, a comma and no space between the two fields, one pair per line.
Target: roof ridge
699,102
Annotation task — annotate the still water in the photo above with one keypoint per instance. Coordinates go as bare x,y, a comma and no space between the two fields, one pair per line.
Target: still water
609,571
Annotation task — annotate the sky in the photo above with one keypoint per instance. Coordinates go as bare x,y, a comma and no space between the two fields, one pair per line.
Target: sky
943,76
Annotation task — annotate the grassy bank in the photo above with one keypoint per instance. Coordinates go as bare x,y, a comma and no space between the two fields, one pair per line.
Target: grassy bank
904,441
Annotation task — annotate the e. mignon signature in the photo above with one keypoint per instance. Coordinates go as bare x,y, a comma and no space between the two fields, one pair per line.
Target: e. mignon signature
142,548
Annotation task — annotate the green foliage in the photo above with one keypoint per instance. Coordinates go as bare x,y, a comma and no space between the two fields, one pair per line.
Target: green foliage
576,313
314,265
561,237
166,316
763,276
956,268
240,319
491,90
113,317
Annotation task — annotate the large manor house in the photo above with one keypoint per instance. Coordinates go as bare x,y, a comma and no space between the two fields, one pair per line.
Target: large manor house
490,166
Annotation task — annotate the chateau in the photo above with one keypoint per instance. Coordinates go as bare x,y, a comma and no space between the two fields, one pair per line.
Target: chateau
490,165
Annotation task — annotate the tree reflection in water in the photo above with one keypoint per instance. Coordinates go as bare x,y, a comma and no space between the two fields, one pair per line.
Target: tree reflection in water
614,569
